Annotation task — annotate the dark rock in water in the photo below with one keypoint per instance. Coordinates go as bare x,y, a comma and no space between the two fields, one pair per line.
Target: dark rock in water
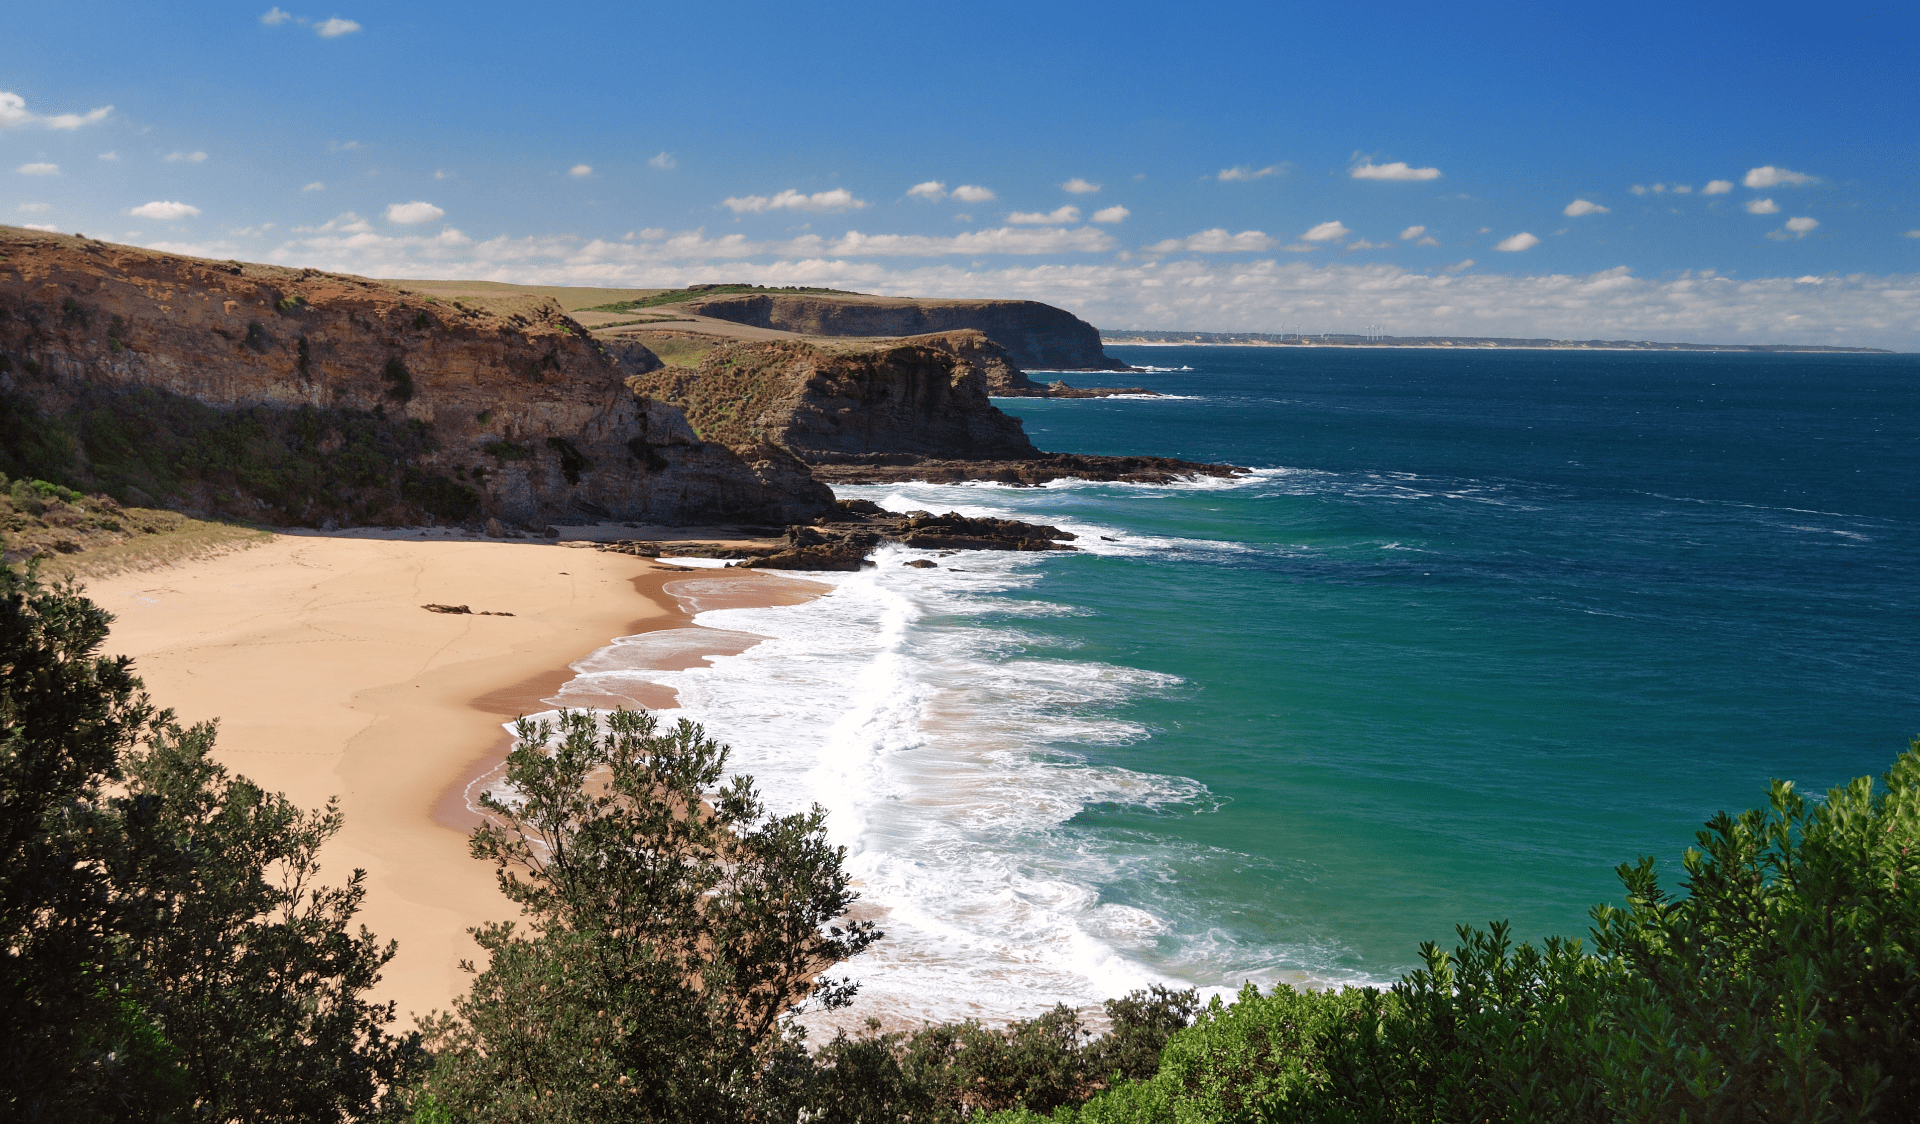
924,564
844,543
1031,470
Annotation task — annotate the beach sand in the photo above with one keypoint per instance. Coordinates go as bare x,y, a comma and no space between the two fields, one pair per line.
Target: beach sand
329,678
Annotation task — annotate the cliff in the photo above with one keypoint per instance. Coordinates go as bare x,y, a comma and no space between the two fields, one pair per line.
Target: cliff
299,397
1036,336
910,409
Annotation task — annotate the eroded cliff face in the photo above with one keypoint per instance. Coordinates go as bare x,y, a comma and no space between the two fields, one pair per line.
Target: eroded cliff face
1036,336
517,415
924,397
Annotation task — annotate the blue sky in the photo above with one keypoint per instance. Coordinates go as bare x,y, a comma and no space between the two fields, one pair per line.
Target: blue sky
1647,171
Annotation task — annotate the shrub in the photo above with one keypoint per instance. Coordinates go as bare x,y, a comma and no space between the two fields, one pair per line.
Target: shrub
399,380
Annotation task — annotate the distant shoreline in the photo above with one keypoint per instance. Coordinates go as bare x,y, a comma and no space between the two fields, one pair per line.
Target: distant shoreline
1461,343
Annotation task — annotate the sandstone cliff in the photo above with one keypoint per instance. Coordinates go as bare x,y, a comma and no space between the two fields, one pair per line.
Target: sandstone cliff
911,409
299,397
1036,336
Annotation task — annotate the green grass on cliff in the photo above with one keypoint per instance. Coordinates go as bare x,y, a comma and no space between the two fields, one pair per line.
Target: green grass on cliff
72,534
694,292
304,467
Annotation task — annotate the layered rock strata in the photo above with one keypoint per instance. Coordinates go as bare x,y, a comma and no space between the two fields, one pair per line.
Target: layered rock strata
912,409
363,402
1036,336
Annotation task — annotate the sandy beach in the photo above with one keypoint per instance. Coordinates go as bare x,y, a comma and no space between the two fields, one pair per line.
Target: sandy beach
329,678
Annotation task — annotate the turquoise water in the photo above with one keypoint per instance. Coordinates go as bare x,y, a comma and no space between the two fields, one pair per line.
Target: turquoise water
1482,627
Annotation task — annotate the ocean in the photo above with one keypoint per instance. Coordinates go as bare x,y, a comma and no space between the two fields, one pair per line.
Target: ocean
1477,628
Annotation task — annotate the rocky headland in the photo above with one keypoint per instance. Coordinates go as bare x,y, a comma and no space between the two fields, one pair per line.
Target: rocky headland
293,397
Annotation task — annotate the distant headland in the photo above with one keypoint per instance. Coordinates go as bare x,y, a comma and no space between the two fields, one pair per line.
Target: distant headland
1109,337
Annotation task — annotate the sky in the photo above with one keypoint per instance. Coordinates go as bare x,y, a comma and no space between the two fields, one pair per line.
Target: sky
1708,172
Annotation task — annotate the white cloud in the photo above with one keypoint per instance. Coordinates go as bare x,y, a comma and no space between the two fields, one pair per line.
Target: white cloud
663,161
108,156
1411,233
1398,170
1796,228
408,214
1683,188
334,28
45,226
1911,234
1761,207
14,115
1429,240
1115,213
1204,294
1001,240
1326,232
442,174
186,157
346,222
316,185
1770,176
38,169
1215,241
32,207
580,171
1638,189
274,17
164,211
931,190
972,193
839,199
1363,244
1516,243
1078,186
1582,207
1246,172
1717,187
1043,218
1459,266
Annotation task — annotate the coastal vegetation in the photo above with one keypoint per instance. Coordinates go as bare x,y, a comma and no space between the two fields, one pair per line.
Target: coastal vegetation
170,955
694,292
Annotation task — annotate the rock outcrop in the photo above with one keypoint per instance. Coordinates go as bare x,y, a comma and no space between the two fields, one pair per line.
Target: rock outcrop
912,409
844,540
299,397
1036,336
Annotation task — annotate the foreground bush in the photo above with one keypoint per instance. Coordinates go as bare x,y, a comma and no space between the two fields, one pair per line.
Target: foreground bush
1784,986
165,952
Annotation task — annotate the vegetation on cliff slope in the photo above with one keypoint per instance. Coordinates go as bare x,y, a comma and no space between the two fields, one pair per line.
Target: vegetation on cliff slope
67,532
300,467
694,292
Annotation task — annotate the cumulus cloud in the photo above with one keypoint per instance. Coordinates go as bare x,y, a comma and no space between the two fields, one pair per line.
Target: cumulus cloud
408,214
1078,186
1683,188
1429,240
38,169
1115,213
664,161
1412,232
839,199
1717,187
1398,170
1761,207
1045,218
1517,242
165,211
186,157
931,191
1911,234
972,193
1583,207
1246,172
346,222
334,28
580,171
1215,241
274,17
316,185
1796,228
1326,232
14,115
1363,244
44,226
1204,294
110,157
1770,176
